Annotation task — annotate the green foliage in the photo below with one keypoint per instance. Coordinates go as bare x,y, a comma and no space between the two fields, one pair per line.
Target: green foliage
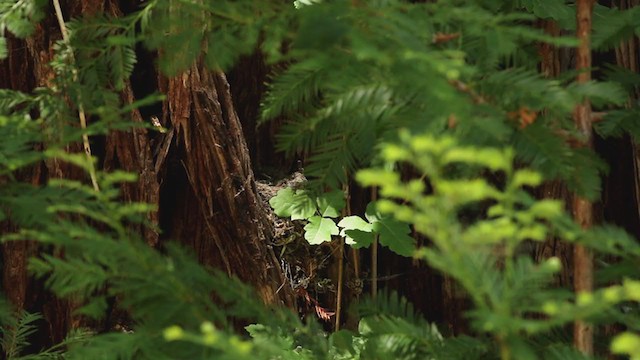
627,343
507,289
462,74
613,26
19,17
344,94
16,331
356,231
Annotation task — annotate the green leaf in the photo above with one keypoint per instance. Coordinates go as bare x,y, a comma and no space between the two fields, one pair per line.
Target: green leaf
627,343
330,204
355,223
342,344
372,214
320,230
295,204
395,235
526,177
356,231
357,238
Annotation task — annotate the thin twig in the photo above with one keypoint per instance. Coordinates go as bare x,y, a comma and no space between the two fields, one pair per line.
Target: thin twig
374,254
340,282
81,114
341,262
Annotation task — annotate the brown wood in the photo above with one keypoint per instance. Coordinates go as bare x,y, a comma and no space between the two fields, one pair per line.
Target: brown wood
231,225
582,208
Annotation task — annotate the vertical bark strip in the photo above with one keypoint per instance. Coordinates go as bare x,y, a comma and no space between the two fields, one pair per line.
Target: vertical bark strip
218,211
582,208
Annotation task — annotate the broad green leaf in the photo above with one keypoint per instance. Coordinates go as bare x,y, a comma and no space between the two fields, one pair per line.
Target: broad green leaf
372,214
356,231
355,223
295,204
330,204
320,230
395,235
357,238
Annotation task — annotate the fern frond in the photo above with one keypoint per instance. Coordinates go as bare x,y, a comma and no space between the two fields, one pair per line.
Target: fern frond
611,26
398,338
294,89
390,303
463,348
564,352
621,76
20,18
331,162
104,50
563,12
16,332
599,93
618,122
517,87
303,135
612,240
551,155
16,149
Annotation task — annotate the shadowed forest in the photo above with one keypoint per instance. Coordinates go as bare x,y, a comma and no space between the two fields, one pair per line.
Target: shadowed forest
319,179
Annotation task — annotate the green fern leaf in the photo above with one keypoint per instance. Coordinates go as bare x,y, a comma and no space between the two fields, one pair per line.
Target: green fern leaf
293,90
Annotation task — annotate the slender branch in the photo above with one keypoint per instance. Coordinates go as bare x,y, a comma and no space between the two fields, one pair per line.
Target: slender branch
355,253
81,113
374,254
340,283
345,212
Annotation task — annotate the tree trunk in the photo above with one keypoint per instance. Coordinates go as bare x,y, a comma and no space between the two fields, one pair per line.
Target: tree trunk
198,174
583,208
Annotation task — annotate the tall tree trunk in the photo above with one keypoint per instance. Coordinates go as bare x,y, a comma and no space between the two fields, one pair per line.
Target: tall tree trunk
198,174
582,208
553,62
216,208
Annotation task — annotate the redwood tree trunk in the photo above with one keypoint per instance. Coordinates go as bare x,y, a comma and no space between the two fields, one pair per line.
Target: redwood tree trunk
582,208
198,174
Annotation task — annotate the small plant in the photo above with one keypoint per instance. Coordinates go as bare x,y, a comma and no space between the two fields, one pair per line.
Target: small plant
321,213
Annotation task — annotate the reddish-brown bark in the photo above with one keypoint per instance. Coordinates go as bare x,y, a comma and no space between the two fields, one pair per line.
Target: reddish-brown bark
583,208
198,175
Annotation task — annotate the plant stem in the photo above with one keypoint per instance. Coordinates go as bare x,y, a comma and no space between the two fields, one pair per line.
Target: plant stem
81,114
374,254
340,281
505,352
